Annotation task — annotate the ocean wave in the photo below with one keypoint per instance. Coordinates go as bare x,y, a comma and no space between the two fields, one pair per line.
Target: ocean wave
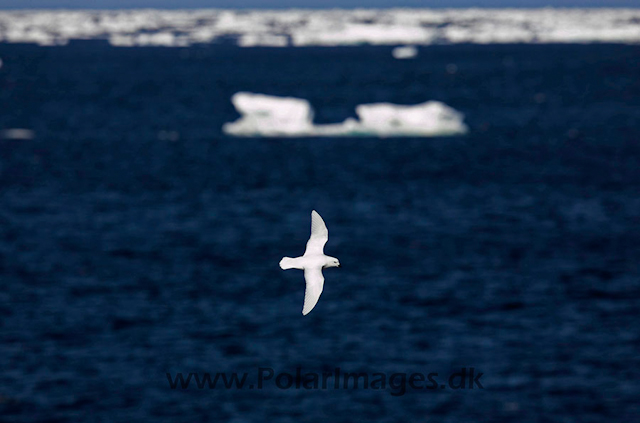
271,116
17,134
323,27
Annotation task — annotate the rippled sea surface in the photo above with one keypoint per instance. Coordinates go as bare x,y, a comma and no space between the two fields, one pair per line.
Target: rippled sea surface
137,240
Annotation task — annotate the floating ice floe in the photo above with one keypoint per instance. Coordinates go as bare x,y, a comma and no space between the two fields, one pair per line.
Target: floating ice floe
264,115
270,116
404,52
250,28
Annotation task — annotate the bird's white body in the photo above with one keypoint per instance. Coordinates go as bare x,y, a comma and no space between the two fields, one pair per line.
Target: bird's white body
312,262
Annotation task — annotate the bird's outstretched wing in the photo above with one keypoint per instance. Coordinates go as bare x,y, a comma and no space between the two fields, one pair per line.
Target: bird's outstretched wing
319,235
315,283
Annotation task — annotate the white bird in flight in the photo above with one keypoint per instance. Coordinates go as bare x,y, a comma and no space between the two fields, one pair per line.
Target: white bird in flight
312,262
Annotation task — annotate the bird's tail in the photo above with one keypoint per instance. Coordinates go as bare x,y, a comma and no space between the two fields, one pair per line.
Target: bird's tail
287,263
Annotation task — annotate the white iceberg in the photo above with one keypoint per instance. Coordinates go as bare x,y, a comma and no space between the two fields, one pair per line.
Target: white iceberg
428,119
271,116
264,115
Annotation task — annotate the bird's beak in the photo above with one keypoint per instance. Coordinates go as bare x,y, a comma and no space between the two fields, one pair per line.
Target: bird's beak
339,265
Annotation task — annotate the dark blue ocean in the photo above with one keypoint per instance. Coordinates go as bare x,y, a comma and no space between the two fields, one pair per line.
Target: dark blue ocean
136,239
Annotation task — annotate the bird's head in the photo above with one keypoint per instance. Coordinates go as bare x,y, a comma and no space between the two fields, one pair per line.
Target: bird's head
332,262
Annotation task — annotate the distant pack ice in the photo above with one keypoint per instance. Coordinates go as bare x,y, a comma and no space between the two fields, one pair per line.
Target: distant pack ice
299,28
271,116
